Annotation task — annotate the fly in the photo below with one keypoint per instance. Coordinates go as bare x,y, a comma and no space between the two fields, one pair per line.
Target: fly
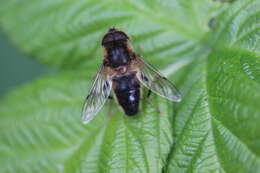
123,71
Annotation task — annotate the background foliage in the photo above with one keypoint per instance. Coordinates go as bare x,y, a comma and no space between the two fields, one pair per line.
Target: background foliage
210,49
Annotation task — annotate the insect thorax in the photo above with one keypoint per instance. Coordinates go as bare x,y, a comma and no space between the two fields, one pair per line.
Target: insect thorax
118,56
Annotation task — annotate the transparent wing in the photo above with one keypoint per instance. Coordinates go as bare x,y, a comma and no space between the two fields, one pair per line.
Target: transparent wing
97,96
158,84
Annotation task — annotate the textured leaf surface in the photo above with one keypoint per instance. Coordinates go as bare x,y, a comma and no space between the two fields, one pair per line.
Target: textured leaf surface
214,129
67,34
217,125
45,134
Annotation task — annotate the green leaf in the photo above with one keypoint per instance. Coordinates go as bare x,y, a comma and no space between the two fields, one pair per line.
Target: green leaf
218,124
214,129
67,34
44,133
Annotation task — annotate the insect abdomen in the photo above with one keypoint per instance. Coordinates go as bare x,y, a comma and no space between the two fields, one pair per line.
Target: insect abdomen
127,91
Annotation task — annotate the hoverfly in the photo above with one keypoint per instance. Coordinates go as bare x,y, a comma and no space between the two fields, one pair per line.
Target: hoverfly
124,71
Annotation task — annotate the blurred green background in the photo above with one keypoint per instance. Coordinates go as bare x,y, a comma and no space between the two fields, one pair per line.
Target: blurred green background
17,68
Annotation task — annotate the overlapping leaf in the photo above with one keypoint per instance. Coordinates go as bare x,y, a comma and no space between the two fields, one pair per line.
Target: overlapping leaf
218,130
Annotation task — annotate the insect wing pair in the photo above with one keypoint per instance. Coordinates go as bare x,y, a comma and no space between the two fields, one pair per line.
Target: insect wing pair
146,74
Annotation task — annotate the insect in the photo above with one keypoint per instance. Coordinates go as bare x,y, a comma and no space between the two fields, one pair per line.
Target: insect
124,71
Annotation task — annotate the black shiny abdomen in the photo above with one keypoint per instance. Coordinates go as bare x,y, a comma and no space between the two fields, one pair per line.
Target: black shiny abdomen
118,56
128,94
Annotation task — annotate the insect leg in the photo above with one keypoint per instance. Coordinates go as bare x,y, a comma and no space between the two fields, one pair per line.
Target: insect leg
149,101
